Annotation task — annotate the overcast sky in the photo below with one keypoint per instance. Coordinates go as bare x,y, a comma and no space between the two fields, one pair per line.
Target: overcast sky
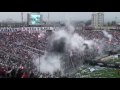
60,15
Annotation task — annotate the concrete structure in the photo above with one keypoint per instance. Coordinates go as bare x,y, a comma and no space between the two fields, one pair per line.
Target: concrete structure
98,19
13,24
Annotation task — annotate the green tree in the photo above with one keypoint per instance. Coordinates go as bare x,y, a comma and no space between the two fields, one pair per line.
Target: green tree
109,23
113,23
88,23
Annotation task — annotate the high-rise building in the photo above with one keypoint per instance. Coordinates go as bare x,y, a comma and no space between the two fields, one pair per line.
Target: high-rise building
98,19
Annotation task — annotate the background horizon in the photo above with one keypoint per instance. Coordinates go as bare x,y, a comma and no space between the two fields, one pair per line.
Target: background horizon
60,16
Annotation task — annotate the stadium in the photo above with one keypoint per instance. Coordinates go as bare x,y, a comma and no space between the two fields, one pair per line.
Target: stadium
41,51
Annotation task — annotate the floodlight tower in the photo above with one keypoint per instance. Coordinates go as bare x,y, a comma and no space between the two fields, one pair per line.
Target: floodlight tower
48,18
22,17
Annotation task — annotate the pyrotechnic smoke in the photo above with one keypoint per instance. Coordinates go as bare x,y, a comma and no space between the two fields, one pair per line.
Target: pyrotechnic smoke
48,63
64,42
106,34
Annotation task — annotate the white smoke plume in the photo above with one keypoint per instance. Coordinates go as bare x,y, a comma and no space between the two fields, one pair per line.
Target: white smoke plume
106,34
51,62
48,63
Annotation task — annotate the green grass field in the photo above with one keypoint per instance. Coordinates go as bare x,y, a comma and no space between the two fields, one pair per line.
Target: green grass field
84,72
105,73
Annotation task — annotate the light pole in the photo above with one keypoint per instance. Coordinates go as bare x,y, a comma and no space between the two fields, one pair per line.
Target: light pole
48,18
22,17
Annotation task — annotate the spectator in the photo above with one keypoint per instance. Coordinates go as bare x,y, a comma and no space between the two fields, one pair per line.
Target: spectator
25,75
31,75
19,73
8,72
13,73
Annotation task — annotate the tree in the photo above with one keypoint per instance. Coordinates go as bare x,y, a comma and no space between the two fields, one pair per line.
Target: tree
88,23
113,23
108,23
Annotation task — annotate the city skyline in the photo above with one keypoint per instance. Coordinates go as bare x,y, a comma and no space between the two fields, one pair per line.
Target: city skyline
60,16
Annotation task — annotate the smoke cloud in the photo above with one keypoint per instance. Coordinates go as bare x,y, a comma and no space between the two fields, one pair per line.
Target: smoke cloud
106,34
64,42
48,63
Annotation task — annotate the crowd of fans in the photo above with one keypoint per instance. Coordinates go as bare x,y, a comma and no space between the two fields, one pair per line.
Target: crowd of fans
98,34
112,43
16,54
13,55
21,72
16,58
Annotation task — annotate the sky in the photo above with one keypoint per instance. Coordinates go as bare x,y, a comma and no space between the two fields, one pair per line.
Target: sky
60,16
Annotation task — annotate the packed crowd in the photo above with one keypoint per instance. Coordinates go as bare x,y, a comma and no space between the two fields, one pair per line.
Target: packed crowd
16,54
21,72
12,72
13,52
89,34
16,58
